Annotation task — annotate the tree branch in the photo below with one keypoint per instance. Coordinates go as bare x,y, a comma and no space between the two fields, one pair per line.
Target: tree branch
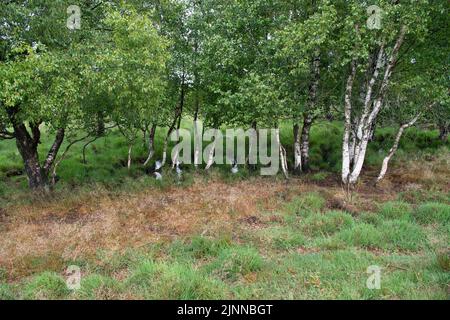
6,135
387,76
63,156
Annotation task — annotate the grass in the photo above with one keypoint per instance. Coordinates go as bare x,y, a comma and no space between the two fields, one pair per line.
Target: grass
218,236
327,224
47,285
396,210
304,204
433,212
96,286
234,262
282,238
389,235
163,280
280,261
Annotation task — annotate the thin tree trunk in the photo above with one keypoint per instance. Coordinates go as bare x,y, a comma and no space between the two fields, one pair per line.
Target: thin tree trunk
444,130
372,132
151,144
308,115
348,124
307,124
176,121
144,140
282,150
394,148
197,133
370,86
177,151
130,149
169,133
85,147
63,156
352,148
211,152
197,144
297,150
51,156
253,145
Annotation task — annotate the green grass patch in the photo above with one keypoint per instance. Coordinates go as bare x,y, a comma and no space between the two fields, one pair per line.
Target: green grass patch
396,210
162,280
433,212
391,234
319,176
201,247
235,262
305,204
327,223
281,237
7,292
98,287
370,218
46,286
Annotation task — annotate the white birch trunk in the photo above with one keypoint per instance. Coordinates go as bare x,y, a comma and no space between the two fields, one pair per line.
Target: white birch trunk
369,91
130,149
197,144
394,148
297,150
210,160
282,150
359,160
177,150
369,116
348,124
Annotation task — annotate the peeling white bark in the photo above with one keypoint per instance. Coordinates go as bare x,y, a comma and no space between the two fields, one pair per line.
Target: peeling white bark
351,170
348,124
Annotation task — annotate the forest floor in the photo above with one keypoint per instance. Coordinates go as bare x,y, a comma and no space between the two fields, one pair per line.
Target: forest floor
252,238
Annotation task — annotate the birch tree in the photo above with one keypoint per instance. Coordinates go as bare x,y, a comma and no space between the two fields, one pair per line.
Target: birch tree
372,59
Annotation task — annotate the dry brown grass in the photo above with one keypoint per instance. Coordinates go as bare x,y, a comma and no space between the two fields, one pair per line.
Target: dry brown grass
130,221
